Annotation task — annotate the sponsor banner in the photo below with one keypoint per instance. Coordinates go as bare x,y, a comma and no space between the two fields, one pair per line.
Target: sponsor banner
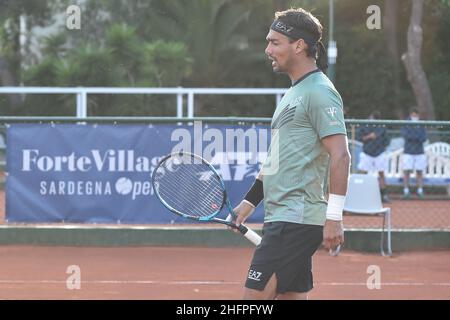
101,173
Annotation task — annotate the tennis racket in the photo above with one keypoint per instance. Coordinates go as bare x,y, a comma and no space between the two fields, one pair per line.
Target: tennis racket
190,187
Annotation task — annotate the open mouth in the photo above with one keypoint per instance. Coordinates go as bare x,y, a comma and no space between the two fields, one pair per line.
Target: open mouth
274,63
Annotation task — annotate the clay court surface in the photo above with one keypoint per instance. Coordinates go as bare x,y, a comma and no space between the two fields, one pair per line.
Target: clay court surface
173,273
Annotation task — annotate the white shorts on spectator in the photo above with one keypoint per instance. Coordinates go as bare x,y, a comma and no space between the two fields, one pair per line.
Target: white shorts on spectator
414,162
372,164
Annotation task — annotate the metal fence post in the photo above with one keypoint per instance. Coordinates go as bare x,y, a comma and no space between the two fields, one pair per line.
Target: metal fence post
190,104
79,111
278,99
82,104
353,148
179,104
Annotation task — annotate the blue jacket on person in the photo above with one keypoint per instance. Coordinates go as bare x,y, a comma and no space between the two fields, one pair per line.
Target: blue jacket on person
373,147
414,136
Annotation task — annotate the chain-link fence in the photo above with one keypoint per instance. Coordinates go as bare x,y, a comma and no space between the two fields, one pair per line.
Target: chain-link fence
2,154
411,159
412,163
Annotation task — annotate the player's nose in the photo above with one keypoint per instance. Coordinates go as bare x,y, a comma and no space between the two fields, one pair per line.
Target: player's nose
268,51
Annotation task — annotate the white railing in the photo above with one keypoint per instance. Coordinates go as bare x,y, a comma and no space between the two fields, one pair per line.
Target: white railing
83,92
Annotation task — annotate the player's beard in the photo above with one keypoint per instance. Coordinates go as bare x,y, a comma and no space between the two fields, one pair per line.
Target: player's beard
277,67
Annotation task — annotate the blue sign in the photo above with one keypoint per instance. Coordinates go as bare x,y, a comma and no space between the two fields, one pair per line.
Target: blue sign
101,173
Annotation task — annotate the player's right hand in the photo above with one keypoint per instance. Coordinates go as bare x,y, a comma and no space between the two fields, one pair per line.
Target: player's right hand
333,234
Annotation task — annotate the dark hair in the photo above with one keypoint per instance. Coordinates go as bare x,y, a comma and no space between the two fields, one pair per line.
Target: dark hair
304,20
414,110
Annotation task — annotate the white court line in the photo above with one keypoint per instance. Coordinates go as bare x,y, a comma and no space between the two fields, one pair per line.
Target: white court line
126,282
216,282
384,284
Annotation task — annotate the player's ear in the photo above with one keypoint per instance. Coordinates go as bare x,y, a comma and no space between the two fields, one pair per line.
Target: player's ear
300,46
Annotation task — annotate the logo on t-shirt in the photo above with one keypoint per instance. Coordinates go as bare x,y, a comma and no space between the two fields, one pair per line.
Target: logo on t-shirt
297,101
332,111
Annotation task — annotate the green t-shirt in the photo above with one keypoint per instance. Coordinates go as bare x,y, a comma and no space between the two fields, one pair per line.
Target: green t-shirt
296,168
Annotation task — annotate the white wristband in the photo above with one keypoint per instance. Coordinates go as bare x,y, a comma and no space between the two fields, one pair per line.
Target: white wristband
335,207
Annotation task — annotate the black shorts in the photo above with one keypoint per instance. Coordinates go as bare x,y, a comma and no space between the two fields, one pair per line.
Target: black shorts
286,250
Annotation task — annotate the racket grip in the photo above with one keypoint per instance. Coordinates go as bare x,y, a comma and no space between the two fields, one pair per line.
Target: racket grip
335,252
251,235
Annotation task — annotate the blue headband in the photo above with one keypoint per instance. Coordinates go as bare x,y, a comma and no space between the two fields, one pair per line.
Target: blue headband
293,32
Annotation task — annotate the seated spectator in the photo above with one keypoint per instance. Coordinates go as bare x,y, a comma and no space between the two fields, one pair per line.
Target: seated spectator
414,157
373,158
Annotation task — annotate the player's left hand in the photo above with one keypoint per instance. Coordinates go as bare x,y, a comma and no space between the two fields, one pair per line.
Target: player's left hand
242,212
333,234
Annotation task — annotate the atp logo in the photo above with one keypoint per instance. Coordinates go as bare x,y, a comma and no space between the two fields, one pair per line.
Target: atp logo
332,111
254,275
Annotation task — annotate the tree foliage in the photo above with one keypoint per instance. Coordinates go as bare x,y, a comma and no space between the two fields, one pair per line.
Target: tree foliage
204,43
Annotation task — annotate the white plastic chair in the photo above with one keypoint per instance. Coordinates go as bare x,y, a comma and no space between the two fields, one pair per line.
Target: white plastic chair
364,199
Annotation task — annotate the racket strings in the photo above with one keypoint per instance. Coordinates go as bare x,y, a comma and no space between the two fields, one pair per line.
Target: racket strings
197,198
188,187
188,197
210,195
209,189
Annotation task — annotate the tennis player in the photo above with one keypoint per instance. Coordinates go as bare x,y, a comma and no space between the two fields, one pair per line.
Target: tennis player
312,140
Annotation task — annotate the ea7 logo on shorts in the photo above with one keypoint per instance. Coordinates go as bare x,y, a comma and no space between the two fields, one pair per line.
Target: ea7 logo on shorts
332,111
254,275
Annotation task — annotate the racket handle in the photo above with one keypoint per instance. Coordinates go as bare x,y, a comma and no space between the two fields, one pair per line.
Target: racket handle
251,235
335,252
